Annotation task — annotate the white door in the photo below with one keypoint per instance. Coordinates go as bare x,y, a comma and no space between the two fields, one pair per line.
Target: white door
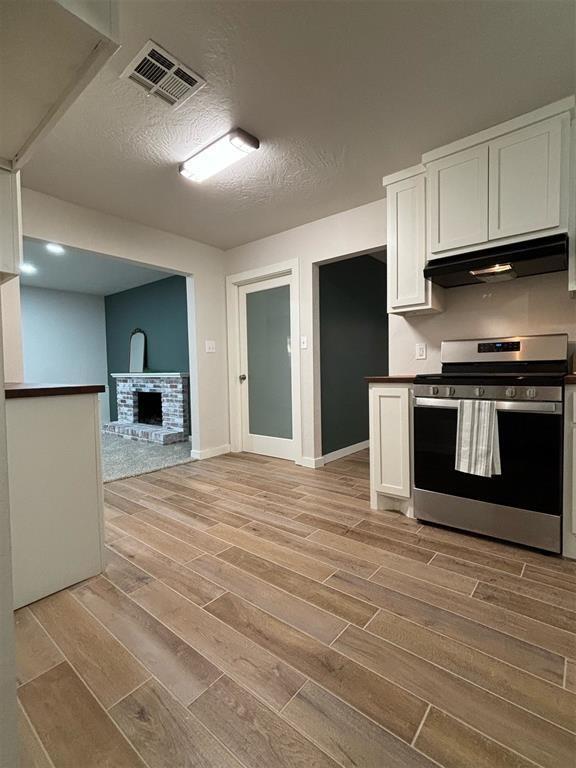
525,179
459,199
406,243
267,381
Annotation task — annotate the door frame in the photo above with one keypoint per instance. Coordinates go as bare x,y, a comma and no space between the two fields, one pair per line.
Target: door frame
233,284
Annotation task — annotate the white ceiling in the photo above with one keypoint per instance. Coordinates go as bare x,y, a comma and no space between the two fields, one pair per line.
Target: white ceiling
339,93
84,271
44,50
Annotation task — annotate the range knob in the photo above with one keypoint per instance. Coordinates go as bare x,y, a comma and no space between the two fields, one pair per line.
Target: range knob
478,391
510,392
531,393
434,390
450,391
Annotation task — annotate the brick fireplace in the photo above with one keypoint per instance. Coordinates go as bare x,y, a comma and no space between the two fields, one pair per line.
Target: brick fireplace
152,407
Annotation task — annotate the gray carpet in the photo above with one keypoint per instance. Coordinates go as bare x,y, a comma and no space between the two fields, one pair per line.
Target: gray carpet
125,458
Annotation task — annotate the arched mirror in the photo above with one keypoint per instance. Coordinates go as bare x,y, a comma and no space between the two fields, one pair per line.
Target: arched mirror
137,351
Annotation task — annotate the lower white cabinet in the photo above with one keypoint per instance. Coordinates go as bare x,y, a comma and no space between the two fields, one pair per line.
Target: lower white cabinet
389,407
55,483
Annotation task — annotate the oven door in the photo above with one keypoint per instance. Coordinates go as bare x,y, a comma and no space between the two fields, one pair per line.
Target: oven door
523,504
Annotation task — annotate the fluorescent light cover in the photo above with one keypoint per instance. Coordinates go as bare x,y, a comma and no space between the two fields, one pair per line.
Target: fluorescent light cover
27,268
497,269
222,153
55,248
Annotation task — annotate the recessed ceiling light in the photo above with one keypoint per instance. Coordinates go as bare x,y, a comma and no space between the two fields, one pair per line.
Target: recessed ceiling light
222,153
55,248
28,269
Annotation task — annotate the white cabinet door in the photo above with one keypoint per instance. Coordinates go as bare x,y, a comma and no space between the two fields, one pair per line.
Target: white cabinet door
10,225
406,243
459,199
525,179
390,440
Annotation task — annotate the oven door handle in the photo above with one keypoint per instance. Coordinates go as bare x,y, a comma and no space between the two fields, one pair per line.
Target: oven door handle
501,405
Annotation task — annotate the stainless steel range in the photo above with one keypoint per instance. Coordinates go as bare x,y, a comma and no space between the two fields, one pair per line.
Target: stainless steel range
523,377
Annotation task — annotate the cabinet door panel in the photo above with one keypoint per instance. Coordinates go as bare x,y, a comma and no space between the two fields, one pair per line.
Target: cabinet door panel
390,440
406,249
10,225
459,199
525,169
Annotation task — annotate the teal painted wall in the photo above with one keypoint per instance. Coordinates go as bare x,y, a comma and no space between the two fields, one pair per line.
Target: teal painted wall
353,344
160,310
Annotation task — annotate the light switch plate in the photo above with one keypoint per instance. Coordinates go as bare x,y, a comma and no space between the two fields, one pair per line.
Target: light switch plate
303,342
421,352
210,346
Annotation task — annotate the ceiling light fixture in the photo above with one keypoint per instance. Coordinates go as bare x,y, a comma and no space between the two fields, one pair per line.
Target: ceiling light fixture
222,153
28,269
55,248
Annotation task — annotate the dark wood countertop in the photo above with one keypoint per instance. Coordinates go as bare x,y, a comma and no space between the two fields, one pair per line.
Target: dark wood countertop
50,390
570,379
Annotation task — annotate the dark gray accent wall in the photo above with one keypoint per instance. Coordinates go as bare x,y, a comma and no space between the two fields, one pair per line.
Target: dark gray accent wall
353,344
160,310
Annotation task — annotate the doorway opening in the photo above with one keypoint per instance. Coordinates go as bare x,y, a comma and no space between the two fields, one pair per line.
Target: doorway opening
80,310
353,325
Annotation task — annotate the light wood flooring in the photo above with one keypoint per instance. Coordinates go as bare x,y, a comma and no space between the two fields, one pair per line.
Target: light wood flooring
256,614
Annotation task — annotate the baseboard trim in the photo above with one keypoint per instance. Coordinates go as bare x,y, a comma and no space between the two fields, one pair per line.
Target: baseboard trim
208,453
319,461
343,452
309,462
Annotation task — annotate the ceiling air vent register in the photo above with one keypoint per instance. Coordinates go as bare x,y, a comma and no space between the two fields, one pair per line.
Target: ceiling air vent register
162,75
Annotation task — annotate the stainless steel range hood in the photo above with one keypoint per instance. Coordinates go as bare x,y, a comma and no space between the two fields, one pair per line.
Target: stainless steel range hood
503,262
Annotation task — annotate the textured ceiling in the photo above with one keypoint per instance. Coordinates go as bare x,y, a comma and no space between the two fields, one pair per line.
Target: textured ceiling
83,271
340,93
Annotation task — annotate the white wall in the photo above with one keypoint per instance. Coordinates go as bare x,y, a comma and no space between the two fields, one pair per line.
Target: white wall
351,232
64,339
48,218
530,305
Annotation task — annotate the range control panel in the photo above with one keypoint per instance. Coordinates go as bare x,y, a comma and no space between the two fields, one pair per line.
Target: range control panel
499,346
488,391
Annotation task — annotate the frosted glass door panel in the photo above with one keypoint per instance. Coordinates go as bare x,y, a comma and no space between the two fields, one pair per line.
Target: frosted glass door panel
269,362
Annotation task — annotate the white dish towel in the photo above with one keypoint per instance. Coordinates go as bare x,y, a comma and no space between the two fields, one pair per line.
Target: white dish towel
477,440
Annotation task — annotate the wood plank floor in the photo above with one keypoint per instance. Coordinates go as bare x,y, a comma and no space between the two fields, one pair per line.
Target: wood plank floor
256,614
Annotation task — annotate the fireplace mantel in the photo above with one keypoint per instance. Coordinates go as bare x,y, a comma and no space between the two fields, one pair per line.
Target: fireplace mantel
149,375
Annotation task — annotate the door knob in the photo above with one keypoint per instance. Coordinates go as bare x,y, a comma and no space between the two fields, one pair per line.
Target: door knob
242,377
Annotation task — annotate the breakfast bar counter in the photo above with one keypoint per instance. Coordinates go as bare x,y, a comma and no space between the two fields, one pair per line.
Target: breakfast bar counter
55,482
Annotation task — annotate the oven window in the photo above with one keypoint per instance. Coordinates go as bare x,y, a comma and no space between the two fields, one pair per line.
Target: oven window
530,452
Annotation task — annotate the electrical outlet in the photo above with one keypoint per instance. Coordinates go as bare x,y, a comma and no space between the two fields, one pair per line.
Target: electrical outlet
421,352
210,346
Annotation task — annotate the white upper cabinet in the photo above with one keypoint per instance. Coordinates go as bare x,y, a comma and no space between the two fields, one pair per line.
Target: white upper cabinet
10,225
512,182
459,199
406,249
525,179
408,291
